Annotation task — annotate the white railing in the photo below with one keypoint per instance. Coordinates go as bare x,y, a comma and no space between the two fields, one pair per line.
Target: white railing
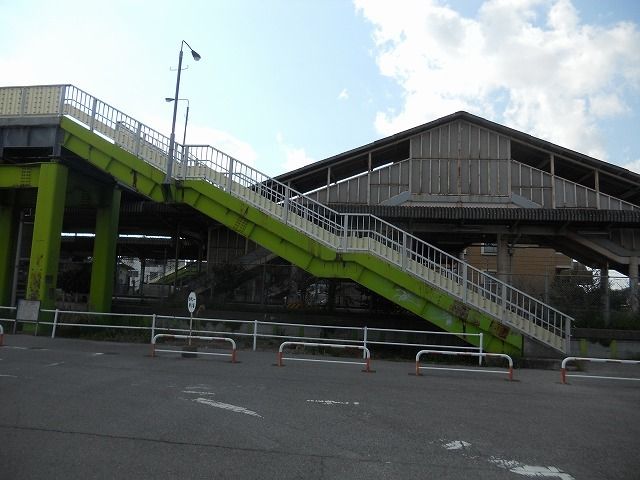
365,350
155,338
342,232
564,374
250,329
509,372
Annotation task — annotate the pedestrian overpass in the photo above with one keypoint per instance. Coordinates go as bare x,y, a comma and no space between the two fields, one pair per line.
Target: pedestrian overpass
97,151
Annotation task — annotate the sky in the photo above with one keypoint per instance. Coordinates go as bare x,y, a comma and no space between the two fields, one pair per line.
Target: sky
284,83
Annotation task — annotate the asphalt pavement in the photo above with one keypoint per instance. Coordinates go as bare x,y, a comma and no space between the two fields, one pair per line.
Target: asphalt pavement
77,409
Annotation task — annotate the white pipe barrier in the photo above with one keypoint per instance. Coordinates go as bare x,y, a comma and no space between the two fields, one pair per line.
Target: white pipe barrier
367,353
563,367
472,354
1,336
224,339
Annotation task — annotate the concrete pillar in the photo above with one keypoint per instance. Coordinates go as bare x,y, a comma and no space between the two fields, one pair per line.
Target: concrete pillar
633,284
47,229
8,229
104,253
503,263
604,291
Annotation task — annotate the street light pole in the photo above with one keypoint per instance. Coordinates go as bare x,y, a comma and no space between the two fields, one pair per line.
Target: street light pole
172,138
186,120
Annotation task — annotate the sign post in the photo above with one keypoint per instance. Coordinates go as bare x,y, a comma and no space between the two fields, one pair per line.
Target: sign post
191,306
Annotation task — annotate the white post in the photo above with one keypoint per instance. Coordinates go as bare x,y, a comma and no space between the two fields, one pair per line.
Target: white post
465,289
481,349
364,343
346,229
138,139
55,324
94,108
230,177
567,335
153,326
404,251
255,334
285,213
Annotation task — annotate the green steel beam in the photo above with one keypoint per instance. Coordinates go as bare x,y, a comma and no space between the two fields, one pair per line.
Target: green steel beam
20,176
45,245
438,307
123,166
8,229
104,252
387,280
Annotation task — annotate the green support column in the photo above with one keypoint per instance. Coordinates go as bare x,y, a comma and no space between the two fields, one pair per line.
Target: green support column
45,246
104,253
7,252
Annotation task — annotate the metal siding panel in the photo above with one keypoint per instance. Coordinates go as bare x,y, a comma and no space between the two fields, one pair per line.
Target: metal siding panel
404,175
434,174
464,141
559,189
416,176
504,147
465,179
569,194
475,141
503,171
493,145
484,144
581,199
415,146
483,175
362,192
453,140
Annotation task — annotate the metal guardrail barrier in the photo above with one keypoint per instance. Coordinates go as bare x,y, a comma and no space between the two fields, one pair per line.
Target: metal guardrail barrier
342,232
173,325
1,336
474,354
366,363
154,340
564,374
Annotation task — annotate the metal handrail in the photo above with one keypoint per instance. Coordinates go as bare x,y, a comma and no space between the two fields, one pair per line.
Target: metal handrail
342,232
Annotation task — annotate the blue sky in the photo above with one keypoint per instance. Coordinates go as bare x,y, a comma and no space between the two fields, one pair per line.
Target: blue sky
282,83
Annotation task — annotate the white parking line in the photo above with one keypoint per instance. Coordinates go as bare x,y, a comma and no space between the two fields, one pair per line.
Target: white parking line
8,376
226,406
513,466
333,402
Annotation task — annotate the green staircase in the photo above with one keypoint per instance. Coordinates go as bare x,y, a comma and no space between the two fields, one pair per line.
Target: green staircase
438,287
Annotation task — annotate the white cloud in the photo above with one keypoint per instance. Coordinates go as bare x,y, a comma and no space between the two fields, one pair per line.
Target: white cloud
343,95
553,76
295,157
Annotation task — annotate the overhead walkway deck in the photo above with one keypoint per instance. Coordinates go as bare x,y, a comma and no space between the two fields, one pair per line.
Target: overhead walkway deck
389,261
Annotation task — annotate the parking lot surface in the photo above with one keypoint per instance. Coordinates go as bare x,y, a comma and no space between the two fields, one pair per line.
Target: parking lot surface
76,409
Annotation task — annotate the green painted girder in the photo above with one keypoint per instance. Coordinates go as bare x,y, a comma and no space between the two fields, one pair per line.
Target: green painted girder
386,279
108,157
81,191
20,176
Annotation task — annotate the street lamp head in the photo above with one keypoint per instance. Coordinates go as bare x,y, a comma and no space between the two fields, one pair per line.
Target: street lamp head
169,99
196,55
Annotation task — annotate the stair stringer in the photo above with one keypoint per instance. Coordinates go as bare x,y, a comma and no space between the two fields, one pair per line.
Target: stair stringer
387,280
